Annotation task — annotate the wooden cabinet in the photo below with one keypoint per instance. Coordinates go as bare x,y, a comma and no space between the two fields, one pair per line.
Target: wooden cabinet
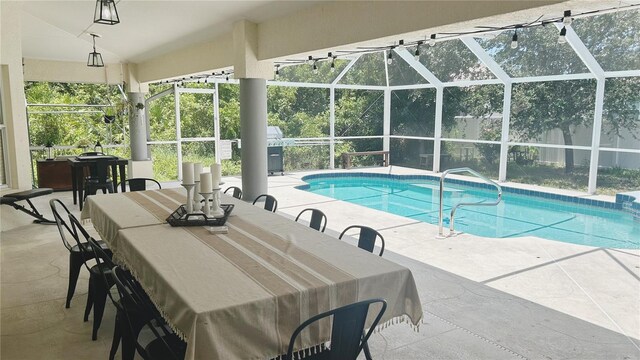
55,174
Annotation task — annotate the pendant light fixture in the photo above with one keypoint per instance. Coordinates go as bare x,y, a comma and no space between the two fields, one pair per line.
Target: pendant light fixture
95,58
106,12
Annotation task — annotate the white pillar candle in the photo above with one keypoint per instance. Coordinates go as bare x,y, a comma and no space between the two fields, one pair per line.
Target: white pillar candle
187,173
197,170
216,174
205,182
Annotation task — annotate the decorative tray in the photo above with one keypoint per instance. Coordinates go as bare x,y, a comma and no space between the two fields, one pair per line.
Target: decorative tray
181,218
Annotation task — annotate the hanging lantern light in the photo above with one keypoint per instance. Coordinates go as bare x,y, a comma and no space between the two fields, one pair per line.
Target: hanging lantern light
95,58
106,13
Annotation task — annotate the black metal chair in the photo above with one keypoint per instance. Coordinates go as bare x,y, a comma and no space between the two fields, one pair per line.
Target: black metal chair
166,344
122,330
98,178
140,184
367,238
270,203
318,219
76,257
98,288
104,264
348,336
237,192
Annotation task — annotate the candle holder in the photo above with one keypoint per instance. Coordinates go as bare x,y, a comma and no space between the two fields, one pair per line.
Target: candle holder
189,188
196,193
216,211
206,209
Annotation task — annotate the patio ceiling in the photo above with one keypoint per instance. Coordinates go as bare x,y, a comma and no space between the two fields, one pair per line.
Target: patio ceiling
58,30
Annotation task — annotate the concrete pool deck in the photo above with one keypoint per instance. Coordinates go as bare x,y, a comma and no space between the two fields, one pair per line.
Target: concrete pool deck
598,285
523,298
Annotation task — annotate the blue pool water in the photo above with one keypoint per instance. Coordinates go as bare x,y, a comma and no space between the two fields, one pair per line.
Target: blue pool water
517,215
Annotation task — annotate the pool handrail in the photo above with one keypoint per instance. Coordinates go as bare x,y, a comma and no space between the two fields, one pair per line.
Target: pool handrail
456,206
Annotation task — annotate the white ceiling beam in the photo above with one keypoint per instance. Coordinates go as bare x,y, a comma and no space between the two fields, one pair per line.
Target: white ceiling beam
71,72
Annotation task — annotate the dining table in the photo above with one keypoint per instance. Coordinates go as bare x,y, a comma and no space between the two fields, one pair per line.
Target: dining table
241,294
79,163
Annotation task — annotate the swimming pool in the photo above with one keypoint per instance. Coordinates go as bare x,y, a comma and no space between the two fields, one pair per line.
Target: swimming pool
417,197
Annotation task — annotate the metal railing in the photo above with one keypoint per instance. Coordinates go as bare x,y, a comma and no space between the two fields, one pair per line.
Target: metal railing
456,206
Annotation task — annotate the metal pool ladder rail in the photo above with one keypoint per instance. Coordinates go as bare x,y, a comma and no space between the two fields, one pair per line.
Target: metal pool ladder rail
456,206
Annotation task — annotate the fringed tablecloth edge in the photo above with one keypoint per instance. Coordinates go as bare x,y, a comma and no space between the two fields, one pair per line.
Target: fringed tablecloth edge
404,318
119,261
303,353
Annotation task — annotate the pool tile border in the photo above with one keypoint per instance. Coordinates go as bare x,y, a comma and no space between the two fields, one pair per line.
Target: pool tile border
621,198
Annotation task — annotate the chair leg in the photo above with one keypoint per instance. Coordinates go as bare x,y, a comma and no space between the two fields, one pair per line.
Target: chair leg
129,339
117,335
75,264
367,353
89,305
99,301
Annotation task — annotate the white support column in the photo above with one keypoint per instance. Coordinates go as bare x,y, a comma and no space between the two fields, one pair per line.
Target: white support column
252,74
216,121
137,127
437,142
504,134
507,81
148,138
253,127
332,128
176,101
386,106
595,138
386,121
332,112
432,79
592,64
147,104
16,151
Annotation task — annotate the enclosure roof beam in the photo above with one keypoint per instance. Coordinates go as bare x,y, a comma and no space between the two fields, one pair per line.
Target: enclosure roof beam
583,53
386,67
486,59
559,77
623,73
345,70
160,94
418,67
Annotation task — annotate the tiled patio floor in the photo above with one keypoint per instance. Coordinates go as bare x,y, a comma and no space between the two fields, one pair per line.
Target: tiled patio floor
483,298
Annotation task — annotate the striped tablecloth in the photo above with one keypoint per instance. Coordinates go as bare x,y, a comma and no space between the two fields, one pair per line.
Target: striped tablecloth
241,295
110,213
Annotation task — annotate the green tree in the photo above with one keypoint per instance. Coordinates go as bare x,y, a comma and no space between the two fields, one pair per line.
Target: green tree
537,108
566,105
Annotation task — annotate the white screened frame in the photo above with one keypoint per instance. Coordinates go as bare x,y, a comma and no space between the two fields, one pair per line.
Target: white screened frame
596,72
